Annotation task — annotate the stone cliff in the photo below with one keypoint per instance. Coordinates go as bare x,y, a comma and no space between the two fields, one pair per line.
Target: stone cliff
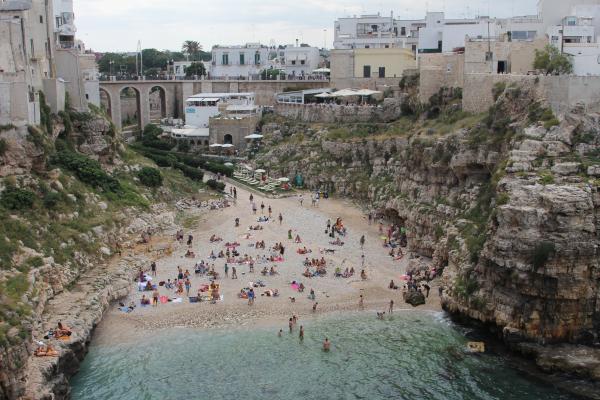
71,195
507,203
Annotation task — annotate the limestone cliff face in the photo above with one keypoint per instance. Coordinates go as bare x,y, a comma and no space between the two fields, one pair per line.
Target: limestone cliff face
513,218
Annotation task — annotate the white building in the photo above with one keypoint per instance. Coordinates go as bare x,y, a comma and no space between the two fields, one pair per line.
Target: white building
244,62
375,31
300,60
179,68
201,107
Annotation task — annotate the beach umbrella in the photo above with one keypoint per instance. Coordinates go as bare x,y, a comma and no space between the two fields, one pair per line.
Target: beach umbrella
367,92
260,171
324,96
216,145
344,93
228,164
227,146
283,179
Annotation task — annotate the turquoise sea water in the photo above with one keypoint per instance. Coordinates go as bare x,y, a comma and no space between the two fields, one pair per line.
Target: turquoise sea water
410,356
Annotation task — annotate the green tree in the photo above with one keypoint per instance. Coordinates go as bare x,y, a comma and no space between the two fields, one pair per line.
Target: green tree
552,62
195,69
192,49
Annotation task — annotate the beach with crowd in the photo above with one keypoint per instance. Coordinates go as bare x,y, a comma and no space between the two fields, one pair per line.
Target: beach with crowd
258,261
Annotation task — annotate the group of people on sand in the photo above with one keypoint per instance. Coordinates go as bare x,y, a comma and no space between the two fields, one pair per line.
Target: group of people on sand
61,332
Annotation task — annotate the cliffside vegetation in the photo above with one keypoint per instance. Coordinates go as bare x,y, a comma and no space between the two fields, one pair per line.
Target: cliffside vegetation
69,187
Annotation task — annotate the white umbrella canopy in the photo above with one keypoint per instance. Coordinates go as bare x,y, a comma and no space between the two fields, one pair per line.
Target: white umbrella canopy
283,179
260,171
227,146
322,71
254,136
228,164
216,145
323,95
367,92
344,93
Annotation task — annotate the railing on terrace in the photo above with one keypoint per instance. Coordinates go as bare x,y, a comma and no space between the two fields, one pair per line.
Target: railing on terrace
310,78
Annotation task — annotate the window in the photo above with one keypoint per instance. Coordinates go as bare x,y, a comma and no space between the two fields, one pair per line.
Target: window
41,19
302,62
382,72
293,62
242,58
59,21
367,71
571,21
374,28
32,48
403,31
367,46
387,46
225,59
257,58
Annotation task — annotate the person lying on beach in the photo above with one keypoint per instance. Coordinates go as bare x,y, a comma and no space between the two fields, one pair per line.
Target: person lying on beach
271,293
45,351
304,250
262,219
264,271
215,238
62,331
307,273
293,299
312,296
337,242
273,272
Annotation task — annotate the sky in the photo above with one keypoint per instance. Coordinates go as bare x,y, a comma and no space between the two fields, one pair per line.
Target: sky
117,25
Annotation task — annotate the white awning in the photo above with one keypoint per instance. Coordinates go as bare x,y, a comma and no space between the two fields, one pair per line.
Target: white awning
260,171
254,136
216,145
199,99
367,92
227,146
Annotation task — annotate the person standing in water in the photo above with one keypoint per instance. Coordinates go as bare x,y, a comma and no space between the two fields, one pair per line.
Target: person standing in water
301,335
326,345
291,325
280,333
391,309
361,302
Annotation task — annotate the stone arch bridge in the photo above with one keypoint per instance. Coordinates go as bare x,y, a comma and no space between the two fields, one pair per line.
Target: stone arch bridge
174,93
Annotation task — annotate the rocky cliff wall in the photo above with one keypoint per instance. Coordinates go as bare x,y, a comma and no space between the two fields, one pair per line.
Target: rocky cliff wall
507,206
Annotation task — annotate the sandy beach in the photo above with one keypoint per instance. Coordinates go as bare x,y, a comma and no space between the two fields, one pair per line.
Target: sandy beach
332,294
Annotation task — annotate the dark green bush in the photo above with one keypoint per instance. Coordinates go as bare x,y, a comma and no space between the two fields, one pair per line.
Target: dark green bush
3,147
87,170
542,253
52,199
14,198
150,177
215,185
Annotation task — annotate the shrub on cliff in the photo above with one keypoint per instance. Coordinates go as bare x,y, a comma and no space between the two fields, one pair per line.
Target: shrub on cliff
87,170
542,253
215,185
14,198
552,62
150,177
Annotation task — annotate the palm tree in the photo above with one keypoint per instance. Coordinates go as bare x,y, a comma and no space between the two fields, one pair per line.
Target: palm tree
191,48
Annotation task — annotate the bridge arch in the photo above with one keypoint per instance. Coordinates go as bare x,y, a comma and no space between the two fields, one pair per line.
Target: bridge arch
158,103
131,109
106,102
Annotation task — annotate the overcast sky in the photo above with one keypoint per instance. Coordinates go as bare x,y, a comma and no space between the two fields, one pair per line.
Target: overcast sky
117,25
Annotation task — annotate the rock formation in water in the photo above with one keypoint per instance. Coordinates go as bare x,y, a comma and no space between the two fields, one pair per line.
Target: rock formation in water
507,204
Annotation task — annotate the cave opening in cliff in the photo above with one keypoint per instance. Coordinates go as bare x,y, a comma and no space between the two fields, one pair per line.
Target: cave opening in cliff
392,217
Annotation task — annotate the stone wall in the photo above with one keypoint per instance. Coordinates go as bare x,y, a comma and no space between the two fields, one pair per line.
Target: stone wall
439,70
332,113
560,92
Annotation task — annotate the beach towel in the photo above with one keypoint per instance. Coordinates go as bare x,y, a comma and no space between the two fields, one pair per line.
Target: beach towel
178,300
164,299
194,299
295,286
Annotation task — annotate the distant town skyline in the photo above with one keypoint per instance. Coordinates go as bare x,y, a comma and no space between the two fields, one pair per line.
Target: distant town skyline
117,25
